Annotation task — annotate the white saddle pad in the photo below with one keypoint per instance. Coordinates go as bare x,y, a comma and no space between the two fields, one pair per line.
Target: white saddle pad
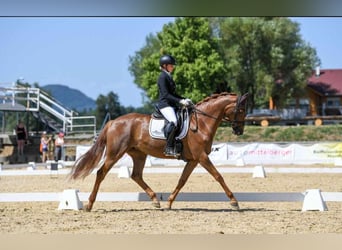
156,128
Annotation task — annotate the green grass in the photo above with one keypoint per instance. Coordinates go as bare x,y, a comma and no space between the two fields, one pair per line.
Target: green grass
306,133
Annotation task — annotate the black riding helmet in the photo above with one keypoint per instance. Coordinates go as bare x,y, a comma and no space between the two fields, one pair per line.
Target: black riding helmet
167,59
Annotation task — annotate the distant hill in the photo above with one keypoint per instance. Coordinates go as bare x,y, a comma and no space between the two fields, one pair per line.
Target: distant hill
70,98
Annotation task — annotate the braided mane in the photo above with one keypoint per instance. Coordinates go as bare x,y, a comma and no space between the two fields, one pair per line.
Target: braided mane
214,96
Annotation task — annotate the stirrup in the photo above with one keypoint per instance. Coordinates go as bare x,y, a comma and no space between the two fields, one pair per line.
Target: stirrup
171,152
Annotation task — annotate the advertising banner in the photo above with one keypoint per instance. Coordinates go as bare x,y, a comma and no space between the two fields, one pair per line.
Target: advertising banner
261,153
255,154
272,153
326,153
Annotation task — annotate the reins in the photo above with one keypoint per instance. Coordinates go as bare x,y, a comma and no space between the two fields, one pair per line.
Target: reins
196,110
224,119
204,113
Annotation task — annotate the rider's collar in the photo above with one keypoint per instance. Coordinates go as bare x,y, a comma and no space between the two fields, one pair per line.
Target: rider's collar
167,72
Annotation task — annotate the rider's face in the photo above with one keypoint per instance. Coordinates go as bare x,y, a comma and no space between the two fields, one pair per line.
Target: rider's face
170,67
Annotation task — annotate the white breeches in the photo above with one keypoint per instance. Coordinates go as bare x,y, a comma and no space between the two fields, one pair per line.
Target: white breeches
169,114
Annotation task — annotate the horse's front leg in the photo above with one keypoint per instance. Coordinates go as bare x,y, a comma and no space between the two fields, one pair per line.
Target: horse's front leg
189,167
209,166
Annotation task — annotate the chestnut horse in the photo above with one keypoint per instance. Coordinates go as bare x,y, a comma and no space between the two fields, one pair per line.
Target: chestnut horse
130,134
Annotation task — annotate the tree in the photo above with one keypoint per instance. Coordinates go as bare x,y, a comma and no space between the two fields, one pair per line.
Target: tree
266,57
200,67
107,105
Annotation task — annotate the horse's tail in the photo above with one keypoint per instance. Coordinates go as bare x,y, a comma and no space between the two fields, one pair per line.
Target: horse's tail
90,160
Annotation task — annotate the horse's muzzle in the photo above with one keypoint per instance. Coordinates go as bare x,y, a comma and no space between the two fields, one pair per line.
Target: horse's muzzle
237,131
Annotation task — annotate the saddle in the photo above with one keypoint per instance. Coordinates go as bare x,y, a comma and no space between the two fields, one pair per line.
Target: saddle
158,123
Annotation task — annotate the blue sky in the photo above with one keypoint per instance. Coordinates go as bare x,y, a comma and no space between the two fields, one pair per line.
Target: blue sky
92,54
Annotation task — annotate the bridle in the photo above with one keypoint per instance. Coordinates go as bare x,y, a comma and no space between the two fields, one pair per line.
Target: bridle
234,124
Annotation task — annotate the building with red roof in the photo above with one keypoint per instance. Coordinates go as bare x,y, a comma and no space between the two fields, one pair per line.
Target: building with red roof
325,92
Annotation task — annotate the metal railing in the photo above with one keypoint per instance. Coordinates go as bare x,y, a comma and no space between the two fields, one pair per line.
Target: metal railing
33,99
82,124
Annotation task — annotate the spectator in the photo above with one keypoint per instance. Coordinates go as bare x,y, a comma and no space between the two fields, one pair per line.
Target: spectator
44,145
59,143
21,137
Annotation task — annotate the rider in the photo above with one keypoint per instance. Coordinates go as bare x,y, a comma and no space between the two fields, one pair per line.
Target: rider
169,100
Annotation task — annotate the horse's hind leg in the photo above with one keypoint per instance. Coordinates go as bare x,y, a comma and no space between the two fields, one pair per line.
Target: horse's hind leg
100,175
139,160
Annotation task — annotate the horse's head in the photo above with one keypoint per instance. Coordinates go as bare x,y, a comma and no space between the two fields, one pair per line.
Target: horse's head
237,116
219,107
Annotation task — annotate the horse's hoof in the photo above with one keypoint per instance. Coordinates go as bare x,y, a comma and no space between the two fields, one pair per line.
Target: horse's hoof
87,209
235,205
169,206
156,204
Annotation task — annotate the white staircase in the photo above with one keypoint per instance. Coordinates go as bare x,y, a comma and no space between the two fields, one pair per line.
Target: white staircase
35,100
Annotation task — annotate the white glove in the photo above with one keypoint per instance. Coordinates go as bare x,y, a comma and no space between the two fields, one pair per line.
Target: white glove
189,101
185,102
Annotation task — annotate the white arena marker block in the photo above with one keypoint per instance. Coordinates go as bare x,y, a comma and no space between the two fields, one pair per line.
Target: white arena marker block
124,172
61,163
239,163
48,163
259,172
148,162
70,200
313,201
338,162
32,166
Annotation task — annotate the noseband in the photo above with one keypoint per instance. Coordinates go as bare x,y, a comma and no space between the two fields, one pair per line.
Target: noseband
235,123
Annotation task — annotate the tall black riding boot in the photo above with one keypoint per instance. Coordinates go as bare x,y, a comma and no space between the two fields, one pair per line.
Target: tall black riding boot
170,144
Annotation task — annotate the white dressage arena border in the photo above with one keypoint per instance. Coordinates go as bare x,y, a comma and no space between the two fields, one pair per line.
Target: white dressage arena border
313,200
178,170
191,196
